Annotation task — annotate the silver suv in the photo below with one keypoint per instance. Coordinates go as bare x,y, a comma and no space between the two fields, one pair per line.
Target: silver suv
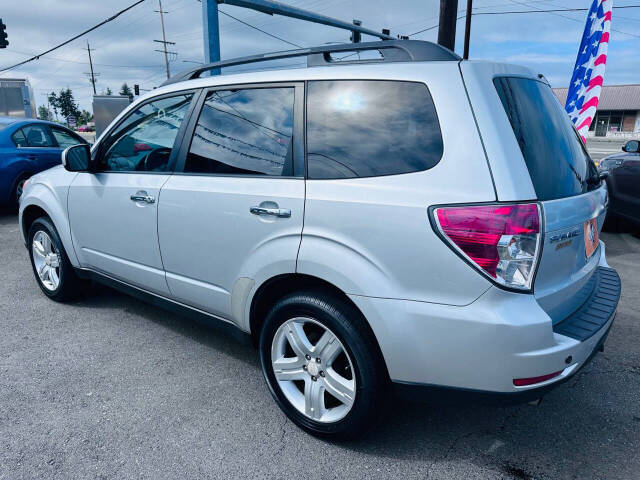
410,221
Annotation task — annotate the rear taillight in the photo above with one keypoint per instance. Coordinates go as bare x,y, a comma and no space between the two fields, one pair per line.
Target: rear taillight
502,241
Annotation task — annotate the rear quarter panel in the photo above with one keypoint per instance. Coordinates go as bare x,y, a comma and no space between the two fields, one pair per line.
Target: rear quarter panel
372,236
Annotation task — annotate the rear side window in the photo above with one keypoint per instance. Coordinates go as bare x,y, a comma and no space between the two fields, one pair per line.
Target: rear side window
557,161
19,139
37,136
369,128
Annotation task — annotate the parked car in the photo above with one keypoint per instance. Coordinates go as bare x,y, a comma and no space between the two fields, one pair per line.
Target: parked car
417,222
86,128
28,146
623,182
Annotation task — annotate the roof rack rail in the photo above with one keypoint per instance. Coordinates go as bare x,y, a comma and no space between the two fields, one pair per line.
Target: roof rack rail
391,51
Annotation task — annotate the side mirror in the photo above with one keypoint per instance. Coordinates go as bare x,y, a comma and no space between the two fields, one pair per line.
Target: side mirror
77,158
632,146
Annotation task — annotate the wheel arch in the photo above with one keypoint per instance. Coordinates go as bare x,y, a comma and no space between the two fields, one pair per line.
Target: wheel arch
275,288
29,215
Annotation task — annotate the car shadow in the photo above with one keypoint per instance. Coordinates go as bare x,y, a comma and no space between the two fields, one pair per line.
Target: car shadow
214,334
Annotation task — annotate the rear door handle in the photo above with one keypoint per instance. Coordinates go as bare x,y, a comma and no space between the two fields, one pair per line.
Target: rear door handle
276,212
142,196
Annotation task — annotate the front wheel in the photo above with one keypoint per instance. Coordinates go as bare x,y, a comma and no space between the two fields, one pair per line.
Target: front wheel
51,267
322,365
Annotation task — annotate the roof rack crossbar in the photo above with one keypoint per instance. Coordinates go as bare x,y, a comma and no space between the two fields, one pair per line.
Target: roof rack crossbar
391,51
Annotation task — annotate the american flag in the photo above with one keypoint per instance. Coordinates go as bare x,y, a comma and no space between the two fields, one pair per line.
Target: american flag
588,73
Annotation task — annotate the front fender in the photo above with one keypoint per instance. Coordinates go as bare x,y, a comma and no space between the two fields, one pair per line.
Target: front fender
53,200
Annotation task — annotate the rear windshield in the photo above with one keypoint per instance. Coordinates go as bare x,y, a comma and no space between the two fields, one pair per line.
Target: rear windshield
5,122
556,159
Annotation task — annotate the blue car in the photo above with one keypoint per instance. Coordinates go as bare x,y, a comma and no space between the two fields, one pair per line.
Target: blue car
28,146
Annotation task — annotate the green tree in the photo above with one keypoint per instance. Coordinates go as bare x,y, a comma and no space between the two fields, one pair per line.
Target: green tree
107,91
85,117
44,113
64,103
67,103
53,101
125,90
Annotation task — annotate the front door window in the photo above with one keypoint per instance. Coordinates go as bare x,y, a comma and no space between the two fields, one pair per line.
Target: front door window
144,141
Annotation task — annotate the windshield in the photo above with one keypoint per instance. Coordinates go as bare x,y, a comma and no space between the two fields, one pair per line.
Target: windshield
556,158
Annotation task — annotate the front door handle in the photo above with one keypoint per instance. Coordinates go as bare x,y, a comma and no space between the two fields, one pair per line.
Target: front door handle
276,212
142,196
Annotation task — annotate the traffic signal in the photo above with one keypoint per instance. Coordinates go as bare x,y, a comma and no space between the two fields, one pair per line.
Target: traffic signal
136,89
3,35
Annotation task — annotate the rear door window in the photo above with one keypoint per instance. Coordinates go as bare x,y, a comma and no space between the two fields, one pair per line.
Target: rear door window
37,136
367,128
65,139
557,161
244,132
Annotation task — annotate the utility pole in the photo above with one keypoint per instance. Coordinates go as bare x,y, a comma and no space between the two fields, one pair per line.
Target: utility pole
447,25
467,30
211,33
92,76
164,40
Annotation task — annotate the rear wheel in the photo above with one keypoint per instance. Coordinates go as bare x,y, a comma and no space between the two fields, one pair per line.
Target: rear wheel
51,267
17,189
322,365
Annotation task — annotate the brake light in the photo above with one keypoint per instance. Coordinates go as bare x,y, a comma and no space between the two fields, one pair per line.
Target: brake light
502,241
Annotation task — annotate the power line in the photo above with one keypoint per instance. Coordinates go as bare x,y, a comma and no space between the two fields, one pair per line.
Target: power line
111,18
58,59
551,10
554,12
260,30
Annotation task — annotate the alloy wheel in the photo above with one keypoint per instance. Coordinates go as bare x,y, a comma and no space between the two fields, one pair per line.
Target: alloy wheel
313,369
46,260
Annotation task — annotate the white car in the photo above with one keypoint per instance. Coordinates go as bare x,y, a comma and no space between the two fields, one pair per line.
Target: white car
416,221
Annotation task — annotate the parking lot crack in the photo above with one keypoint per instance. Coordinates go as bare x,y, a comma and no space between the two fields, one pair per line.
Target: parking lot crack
282,434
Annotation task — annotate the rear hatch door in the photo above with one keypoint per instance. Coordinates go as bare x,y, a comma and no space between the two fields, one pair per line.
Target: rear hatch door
565,182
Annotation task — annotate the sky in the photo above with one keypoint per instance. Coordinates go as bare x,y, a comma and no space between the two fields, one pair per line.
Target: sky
123,50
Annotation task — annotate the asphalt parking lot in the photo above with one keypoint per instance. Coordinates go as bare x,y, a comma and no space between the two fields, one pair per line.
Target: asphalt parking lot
110,387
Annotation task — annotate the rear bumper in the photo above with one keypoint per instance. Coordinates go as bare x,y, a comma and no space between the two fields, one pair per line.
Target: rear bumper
441,351
441,395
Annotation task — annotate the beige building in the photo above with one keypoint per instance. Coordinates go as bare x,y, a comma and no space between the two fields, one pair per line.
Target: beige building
618,110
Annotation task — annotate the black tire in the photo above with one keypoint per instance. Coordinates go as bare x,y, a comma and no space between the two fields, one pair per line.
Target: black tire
369,371
17,190
70,286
